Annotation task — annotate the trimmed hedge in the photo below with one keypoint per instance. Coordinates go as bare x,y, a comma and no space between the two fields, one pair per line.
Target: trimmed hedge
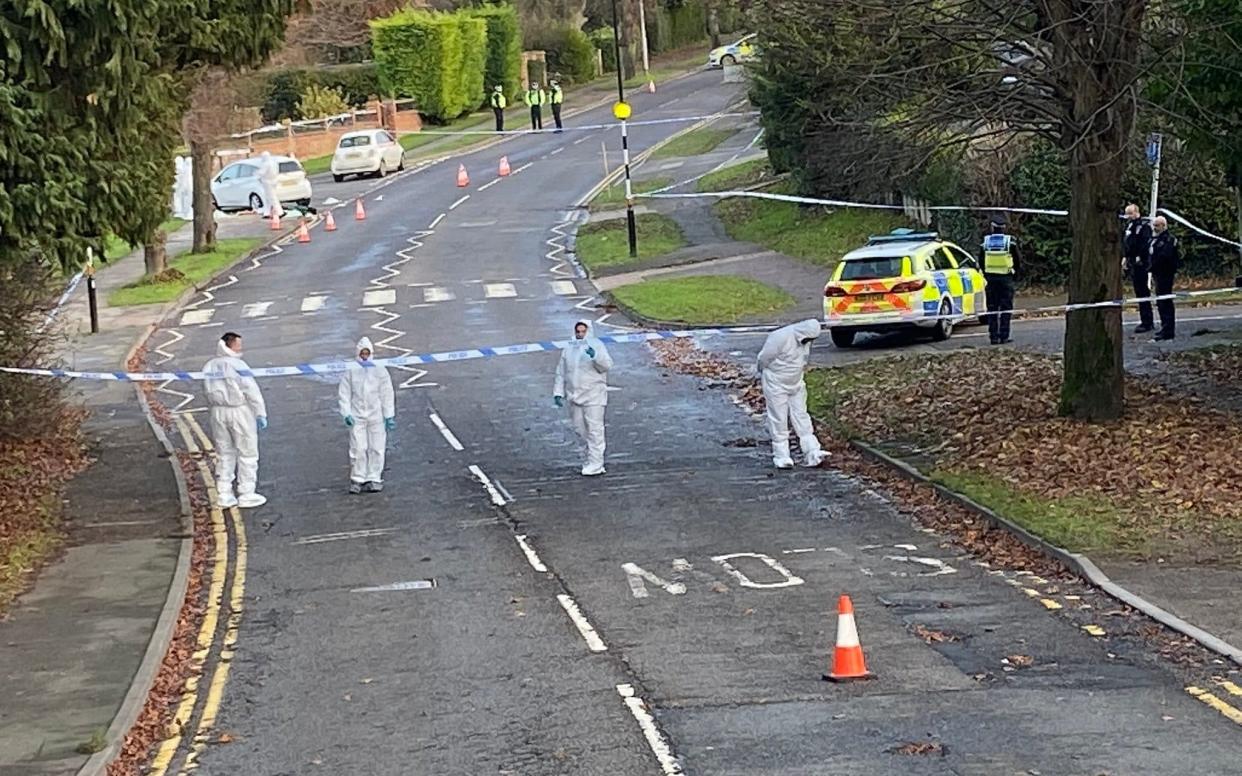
504,49
278,92
437,59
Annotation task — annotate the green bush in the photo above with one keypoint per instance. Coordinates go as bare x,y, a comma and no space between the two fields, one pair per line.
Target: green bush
571,54
504,48
437,59
602,38
687,24
320,102
280,91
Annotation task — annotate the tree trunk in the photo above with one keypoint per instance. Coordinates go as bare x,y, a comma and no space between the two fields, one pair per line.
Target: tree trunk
155,253
1099,51
713,22
1092,387
204,207
1237,198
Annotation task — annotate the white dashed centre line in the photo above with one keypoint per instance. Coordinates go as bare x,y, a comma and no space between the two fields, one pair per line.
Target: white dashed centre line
557,151
380,296
489,184
446,432
594,642
526,166
499,290
436,222
255,310
458,202
194,317
437,294
312,303
531,556
655,739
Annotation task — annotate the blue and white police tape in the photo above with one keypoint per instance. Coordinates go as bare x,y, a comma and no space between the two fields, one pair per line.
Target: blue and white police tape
588,127
663,194
336,367
470,354
60,303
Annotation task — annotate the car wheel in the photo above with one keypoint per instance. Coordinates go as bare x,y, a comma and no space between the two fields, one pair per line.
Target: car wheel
256,203
382,171
842,338
401,163
338,178
944,325
728,60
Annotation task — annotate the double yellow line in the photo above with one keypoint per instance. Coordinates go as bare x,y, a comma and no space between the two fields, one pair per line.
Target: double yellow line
223,583
1231,712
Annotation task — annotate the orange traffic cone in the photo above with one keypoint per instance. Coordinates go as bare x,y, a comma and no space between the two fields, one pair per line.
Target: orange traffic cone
329,224
847,657
359,213
303,232
275,220
463,178
651,87
504,166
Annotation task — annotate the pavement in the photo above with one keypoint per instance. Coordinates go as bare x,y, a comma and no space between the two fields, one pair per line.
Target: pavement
494,612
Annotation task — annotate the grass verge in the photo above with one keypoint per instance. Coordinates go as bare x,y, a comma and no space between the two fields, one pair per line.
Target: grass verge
1161,483
812,234
702,299
606,243
116,248
737,176
185,270
694,143
613,197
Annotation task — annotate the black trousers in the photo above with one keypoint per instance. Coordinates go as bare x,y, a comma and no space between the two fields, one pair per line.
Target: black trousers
1164,285
536,117
999,295
1142,289
500,119
556,114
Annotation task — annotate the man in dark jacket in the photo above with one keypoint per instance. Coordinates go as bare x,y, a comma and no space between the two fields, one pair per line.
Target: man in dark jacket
1135,242
1165,260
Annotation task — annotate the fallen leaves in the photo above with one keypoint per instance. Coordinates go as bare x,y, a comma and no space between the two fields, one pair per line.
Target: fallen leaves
33,476
933,636
1019,661
919,748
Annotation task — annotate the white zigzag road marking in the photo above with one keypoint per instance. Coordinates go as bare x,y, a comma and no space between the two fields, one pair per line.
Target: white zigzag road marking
184,399
390,271
587,304
176,337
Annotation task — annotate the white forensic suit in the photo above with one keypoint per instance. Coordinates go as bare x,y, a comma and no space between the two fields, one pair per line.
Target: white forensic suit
366,402
269,176
781,363
582,382
237,412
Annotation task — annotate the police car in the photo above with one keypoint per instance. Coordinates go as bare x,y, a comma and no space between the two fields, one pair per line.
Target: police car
902,280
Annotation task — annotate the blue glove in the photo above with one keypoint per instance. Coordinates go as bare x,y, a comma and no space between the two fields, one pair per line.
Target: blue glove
390,424
349,420
559,401
590,352
262,421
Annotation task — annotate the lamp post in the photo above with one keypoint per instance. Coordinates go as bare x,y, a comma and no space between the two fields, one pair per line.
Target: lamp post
622,112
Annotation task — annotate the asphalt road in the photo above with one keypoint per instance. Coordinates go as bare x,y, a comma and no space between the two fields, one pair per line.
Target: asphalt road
538,650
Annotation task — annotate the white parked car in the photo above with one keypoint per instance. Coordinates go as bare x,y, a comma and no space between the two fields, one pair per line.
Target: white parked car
237,187
368,152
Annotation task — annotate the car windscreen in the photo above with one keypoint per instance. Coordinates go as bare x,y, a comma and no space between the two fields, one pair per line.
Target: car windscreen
290,167
873,268
355,141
